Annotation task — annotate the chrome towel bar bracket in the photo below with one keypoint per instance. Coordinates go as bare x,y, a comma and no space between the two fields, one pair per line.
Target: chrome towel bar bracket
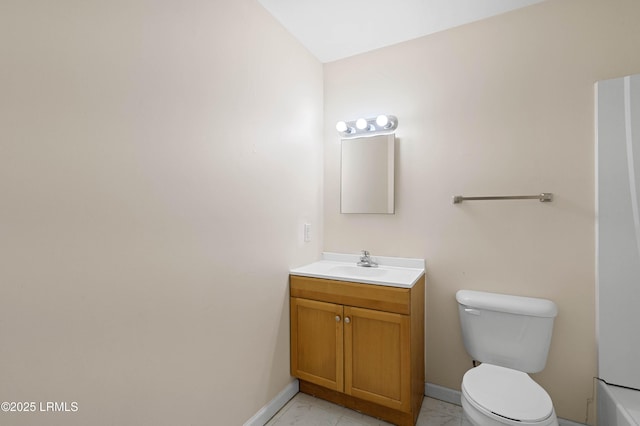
544,197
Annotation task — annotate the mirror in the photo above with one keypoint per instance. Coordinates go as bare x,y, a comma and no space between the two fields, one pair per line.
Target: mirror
367,184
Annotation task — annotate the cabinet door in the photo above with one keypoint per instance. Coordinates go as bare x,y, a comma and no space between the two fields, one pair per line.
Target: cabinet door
377,357
317,343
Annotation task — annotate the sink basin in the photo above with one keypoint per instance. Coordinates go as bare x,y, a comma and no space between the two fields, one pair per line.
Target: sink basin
391,271
358,271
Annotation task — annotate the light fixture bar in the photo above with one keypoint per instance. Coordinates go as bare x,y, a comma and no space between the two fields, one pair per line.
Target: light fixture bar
380,125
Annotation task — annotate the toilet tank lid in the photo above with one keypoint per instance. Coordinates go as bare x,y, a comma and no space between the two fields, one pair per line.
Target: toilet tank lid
518,305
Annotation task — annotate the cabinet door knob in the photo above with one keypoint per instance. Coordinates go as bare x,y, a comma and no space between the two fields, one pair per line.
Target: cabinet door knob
337,318
347,320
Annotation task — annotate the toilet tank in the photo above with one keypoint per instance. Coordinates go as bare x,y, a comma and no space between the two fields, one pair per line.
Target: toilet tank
509,331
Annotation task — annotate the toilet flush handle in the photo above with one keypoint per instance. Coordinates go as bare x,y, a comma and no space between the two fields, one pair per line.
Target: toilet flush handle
472,311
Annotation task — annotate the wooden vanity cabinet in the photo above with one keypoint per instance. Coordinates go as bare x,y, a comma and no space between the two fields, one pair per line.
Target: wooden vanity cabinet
360,345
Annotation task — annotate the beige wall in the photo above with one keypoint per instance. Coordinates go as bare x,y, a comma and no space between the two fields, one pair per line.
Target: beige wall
502,106
157,162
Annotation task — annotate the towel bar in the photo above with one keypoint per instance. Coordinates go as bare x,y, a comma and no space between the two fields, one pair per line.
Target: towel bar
543,197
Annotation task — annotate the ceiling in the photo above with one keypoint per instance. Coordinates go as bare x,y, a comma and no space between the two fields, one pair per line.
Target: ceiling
336,29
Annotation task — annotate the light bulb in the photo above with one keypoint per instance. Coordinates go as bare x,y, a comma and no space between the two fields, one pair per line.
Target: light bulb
382,121
361,123
341,126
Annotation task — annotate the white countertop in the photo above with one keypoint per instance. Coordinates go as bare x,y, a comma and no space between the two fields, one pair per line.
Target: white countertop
391,271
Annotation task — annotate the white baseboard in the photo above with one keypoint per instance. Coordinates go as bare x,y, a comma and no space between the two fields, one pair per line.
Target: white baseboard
564,422
443,394
453,397
265,413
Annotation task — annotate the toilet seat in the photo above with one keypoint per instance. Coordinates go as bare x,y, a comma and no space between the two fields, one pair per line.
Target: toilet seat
508,394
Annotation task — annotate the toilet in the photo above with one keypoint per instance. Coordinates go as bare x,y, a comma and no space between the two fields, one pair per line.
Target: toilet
510,336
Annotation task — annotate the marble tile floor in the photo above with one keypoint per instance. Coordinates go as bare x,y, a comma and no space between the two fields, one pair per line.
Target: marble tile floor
306,410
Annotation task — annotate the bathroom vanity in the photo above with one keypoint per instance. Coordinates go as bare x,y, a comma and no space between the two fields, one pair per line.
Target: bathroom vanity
357,334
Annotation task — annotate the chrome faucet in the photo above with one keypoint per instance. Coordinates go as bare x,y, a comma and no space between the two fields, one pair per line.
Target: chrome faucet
366,261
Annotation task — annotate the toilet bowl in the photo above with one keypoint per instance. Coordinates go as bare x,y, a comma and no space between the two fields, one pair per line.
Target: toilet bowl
510,336
498,396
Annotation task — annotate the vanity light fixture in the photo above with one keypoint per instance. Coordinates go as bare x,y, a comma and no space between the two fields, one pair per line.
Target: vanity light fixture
382,124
